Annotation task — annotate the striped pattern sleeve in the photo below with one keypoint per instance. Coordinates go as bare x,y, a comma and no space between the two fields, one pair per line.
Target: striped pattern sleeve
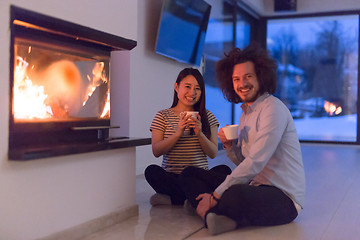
158,122
212,119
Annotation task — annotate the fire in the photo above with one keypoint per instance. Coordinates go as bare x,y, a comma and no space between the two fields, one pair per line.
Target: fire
98,78
106,111
332,109
28,98
58,90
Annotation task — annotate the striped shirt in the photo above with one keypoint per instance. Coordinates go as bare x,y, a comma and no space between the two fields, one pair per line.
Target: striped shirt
187,150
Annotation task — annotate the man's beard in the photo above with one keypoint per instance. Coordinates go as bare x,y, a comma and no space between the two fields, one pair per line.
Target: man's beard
251,98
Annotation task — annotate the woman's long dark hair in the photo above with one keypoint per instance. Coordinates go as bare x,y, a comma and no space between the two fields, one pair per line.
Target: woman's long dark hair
200,105
265,69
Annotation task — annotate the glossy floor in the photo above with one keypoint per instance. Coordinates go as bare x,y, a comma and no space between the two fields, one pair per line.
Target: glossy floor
332,210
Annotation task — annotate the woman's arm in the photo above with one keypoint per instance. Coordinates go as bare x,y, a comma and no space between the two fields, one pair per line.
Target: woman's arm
160,145
209,146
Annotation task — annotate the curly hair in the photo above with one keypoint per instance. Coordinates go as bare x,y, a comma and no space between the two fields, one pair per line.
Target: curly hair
265,69
200,105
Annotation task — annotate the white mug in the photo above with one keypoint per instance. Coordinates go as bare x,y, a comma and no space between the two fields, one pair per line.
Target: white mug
231,132
192,113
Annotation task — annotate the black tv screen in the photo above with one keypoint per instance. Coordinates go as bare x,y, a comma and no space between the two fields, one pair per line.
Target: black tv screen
182,30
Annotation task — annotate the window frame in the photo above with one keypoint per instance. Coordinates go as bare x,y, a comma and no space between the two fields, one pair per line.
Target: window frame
256,29
262,40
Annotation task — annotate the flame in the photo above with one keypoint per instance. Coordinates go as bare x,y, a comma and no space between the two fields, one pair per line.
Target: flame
106,111
97,78
54,98
28,98
332,108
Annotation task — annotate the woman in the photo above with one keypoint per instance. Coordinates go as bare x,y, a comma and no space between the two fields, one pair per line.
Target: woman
181,139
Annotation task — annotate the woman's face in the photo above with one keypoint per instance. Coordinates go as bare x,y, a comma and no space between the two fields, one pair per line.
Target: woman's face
188,91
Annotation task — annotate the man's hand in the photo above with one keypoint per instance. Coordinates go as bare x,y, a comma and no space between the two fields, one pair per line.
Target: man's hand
226,143
206,202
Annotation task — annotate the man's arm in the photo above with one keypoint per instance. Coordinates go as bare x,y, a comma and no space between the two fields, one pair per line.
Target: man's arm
233,152
269,130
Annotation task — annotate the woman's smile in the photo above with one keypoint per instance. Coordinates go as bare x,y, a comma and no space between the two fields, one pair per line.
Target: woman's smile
188,91
190,99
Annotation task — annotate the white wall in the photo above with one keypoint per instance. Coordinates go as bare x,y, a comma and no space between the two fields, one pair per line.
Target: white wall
42,197
152,80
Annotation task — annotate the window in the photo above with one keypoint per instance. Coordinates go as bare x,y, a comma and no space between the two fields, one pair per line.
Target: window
218,40
243,33
223,34
318,74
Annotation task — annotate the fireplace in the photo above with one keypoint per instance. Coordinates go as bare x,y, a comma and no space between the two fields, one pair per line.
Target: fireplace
59,86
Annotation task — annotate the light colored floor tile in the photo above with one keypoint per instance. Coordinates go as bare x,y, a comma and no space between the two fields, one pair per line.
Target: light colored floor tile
332,209
291,231
345,223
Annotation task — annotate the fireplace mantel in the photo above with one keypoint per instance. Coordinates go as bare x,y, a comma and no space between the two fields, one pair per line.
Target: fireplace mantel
60,40
52,150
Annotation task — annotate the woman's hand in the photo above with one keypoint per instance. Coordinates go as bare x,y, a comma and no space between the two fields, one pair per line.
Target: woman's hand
206,202
195,123
183,123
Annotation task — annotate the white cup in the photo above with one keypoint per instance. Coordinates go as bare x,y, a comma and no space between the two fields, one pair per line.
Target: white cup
191,113
231,132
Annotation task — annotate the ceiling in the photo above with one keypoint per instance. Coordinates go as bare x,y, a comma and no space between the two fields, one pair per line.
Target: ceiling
266,7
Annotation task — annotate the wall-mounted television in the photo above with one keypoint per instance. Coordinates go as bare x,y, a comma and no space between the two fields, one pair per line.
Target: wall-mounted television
182,29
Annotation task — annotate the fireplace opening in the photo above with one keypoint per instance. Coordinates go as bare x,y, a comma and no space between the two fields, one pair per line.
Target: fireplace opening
59,82
55,84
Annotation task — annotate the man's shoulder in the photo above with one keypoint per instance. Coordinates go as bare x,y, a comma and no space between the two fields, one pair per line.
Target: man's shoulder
271,99
272,102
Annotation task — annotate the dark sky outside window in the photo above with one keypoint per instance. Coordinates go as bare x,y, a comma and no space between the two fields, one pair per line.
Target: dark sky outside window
318,62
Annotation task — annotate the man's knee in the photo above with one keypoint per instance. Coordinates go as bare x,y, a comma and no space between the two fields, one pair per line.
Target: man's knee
235,197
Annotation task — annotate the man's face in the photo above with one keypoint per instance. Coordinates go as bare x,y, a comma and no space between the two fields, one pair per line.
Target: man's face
245,82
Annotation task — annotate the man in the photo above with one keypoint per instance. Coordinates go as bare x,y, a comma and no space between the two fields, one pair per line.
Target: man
268,185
